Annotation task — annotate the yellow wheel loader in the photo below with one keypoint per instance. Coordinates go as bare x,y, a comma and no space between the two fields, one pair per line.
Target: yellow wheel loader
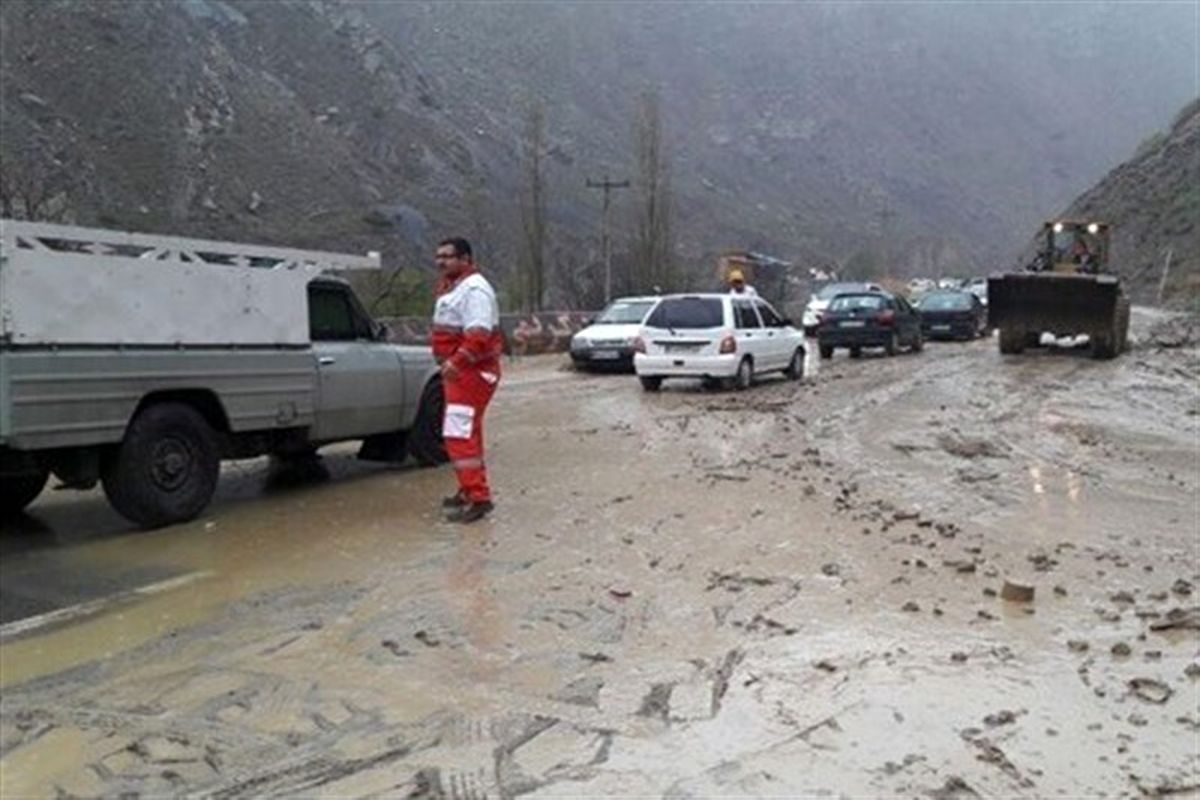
1068,290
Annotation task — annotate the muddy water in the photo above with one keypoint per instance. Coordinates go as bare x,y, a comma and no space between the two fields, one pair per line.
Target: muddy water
789,591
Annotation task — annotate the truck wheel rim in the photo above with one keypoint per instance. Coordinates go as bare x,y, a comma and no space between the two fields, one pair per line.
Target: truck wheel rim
171,463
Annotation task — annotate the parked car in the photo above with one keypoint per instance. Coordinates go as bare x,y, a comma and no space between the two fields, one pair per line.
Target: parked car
978,287
820,301
949,314
919,286
716,337
608,341
869,319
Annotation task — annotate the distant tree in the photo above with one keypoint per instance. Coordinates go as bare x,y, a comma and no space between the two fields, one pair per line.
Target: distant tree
479,214
533,208
31,190
863,264
653,263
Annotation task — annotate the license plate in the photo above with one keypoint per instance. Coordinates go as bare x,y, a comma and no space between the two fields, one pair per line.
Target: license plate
852,323
940,327
605,355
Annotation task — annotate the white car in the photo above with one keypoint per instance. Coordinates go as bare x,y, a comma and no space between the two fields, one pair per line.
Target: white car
608,341
820,301
977,287
717,337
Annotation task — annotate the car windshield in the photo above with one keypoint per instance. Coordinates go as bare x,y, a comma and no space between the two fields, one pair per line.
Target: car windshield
945,302
687,312
832,290
624,313
853,302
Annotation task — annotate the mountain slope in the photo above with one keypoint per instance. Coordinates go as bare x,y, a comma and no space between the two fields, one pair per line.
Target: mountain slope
1153,201
903,135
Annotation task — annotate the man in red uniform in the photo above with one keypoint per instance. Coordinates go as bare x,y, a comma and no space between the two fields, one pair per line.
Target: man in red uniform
467,343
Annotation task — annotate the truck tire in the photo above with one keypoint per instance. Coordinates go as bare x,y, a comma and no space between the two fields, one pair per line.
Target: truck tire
826,351
1122,325
425,439
166,468
1012,341
19,491
1104,343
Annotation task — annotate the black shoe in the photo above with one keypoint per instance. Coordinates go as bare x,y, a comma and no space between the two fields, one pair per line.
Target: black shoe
472,512
456,500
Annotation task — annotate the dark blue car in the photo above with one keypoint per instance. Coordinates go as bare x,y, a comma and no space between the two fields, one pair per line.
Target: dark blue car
952,315
869,319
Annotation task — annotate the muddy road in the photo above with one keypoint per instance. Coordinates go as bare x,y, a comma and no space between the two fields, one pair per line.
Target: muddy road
791,591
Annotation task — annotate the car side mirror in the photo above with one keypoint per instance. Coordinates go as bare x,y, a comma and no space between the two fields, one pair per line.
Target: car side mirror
383,332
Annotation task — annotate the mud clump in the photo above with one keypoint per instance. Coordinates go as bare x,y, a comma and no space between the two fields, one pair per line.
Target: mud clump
1181,331
1000,718
1179,619
1017,592
970,447
955,788
1150,690
657,702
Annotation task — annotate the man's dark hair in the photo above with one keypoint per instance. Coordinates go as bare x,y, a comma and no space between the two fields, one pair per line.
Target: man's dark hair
462,248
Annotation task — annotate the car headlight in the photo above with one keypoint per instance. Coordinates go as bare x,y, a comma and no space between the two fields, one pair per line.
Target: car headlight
578,343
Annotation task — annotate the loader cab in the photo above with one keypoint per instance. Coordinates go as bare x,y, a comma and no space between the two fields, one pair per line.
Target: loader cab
1075,247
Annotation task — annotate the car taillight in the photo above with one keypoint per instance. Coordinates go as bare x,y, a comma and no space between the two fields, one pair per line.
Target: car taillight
728,345
639,345
886,317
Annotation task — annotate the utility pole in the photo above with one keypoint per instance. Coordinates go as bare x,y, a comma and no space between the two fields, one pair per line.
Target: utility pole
885,223
606,186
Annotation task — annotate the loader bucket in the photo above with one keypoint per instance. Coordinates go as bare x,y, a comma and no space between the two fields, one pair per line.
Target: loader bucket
1061,304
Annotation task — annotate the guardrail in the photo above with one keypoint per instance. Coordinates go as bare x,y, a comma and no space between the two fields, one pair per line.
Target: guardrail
524,334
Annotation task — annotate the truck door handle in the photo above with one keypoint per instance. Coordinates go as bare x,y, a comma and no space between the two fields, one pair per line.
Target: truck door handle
326,360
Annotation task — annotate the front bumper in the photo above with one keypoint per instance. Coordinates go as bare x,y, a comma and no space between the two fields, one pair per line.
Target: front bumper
603,356
948,329
686,366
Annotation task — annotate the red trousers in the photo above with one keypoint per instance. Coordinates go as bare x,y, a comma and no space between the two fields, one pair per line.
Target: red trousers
467,398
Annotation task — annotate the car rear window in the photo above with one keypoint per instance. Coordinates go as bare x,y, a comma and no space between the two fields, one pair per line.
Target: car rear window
833,289
946,302
687,312
851,302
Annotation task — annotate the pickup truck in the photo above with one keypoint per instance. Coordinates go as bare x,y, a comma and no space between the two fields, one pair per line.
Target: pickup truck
141,361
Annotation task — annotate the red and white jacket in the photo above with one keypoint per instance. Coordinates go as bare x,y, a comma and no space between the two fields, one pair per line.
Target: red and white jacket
466,324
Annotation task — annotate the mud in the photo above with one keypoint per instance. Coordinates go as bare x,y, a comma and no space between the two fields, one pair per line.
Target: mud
791,591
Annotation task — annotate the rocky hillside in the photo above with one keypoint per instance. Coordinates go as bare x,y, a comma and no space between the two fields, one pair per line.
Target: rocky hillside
291,123
1153,201
907,139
